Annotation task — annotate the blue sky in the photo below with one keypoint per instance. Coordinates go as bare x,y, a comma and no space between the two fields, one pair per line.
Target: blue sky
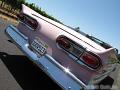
100,18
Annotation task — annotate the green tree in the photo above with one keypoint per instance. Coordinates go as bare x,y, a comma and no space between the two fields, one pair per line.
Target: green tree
2,2
37,9
16,4
19,3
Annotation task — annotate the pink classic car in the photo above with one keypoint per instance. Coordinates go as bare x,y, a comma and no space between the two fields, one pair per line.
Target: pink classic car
73,60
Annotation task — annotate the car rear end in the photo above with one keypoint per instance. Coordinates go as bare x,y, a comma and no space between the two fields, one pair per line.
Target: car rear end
72,60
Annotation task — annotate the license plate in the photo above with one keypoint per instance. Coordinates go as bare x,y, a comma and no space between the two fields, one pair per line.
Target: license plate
39,47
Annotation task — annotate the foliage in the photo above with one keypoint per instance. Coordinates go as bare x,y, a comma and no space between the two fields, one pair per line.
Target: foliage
37,9
118,56
2,2
16,5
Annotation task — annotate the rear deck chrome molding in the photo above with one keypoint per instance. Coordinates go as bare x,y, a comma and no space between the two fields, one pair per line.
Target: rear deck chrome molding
64,30
52,68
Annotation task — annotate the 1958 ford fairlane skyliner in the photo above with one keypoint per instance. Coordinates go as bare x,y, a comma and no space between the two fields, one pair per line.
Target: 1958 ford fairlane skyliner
73,60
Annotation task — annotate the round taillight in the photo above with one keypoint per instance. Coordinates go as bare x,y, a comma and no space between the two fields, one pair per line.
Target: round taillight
63,43
32,23
91,60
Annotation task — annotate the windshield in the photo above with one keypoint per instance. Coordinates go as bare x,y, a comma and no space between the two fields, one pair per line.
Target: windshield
101,43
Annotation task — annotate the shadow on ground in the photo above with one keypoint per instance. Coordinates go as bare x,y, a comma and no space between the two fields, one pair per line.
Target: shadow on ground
106,84
29,76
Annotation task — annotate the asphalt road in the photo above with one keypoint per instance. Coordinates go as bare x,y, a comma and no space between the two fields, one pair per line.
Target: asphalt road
16,70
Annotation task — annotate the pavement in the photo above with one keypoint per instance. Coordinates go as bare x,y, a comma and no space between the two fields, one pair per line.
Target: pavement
17,72
7,81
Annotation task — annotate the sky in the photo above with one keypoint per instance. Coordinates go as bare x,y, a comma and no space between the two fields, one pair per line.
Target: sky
99,18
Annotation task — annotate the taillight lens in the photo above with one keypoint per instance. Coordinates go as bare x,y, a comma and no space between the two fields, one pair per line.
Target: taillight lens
91,60
32,23
28,20
62,42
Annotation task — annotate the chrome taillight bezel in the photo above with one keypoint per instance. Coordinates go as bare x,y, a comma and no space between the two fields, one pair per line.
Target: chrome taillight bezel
78,58
98,62
27,20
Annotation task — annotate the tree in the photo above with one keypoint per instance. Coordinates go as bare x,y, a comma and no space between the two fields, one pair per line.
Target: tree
2,2
17,4
118,56
37,9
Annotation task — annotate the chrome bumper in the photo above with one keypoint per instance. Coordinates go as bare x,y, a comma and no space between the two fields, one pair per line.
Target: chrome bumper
50,66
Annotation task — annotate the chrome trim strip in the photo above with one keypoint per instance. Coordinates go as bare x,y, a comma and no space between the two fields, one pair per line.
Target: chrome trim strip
66,80
65,31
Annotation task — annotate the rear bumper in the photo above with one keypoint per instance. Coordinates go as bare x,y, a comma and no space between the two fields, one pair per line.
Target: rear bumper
50,66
